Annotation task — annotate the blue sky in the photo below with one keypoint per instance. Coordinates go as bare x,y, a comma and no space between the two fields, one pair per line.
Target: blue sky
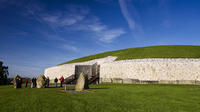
37,34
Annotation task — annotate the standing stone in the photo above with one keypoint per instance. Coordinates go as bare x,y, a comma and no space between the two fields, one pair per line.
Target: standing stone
15,81
41,81
80,83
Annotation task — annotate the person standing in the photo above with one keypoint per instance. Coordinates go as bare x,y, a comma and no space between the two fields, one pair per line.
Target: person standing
31,83
61,81
20,83
35,82
26,82
17,83
47,81
56,80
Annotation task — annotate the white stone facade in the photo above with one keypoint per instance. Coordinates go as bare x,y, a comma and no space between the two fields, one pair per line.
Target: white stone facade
68,69
142,69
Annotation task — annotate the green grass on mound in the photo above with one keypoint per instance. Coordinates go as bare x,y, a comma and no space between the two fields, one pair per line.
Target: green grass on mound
173,51
104,98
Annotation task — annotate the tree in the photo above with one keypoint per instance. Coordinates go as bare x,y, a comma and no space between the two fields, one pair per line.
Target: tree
3,74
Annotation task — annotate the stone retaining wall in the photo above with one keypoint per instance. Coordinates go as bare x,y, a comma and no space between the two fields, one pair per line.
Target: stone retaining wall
139,71
136,81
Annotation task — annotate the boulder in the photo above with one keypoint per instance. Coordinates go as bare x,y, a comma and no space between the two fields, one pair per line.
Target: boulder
41,81
17,77
80,83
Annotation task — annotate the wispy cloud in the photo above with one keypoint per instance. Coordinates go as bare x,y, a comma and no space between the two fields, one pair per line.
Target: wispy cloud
66,18
132,17
96,27
51,36
70,48
73,18
124,9
99,30
78,18
109,35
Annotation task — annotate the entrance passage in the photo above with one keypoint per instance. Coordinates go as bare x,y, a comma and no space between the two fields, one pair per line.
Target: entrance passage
90,71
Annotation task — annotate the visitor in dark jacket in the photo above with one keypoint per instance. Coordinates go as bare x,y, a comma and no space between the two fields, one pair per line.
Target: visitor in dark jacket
35,82
17,83
20,83
47,84
56,80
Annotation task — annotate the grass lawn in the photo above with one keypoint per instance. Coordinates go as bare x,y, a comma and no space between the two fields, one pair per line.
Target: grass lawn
170,51
104,98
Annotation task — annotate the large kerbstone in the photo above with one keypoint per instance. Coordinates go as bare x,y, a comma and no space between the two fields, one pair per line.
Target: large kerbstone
148,82
135,81
106,80
127,81
117,80
197,82
168,82
41,81
80,83
186,82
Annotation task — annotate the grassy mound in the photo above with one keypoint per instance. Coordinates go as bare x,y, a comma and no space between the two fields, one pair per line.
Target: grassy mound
172,51
104,98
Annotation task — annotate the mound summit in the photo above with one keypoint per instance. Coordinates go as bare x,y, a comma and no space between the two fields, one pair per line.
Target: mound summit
167,51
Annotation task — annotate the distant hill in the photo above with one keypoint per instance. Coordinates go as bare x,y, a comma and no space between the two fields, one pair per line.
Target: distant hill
169,51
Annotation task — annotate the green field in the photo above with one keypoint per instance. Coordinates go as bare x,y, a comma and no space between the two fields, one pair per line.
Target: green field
104,98
172,51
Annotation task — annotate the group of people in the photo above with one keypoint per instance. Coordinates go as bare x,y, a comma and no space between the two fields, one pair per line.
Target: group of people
61,81
34,83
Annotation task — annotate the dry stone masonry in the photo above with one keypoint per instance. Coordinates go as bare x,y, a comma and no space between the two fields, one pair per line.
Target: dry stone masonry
139,71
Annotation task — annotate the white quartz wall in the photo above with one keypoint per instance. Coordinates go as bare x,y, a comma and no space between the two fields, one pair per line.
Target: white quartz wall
142,69
59,71
68,69
153,69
